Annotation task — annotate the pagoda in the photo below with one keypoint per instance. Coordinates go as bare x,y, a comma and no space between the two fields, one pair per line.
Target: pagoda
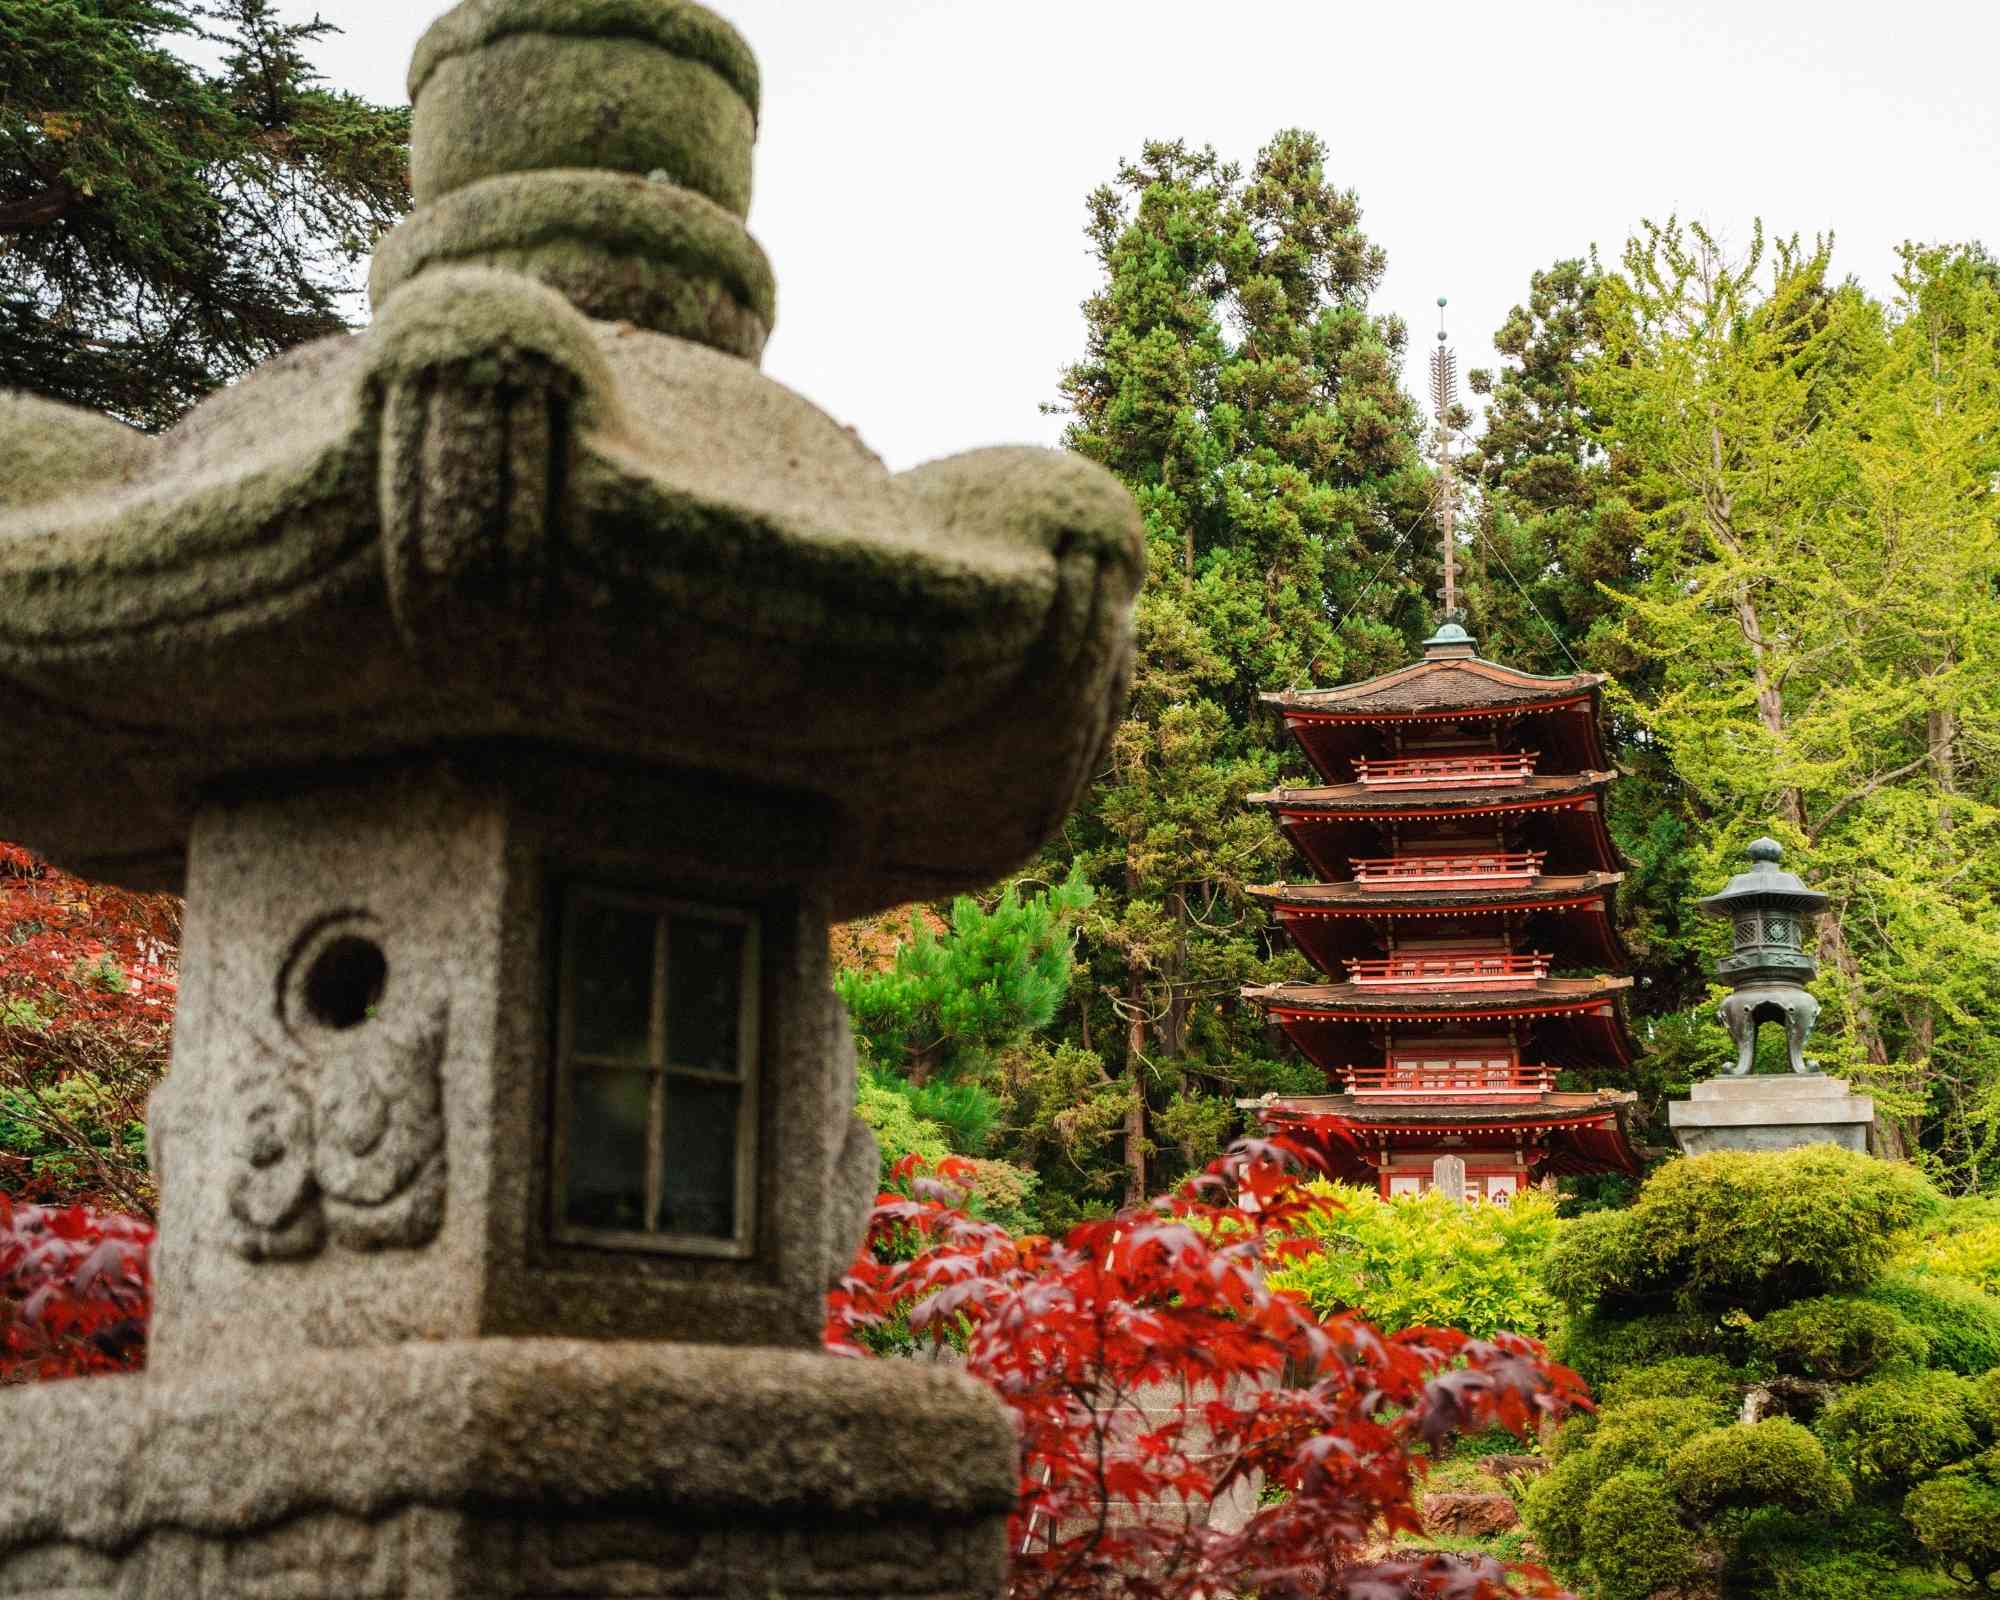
1464,921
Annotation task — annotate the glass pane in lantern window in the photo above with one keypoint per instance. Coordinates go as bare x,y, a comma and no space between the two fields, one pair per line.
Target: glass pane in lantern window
704,993
611,981
698,1159
607,1148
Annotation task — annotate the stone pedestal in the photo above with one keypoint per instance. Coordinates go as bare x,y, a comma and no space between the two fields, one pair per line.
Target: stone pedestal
1774,1112
508,1469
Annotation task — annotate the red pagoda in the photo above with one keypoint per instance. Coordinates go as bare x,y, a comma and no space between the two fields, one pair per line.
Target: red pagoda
1465,923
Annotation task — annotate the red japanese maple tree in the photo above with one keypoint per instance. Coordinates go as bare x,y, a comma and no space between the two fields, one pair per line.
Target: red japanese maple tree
75,1292
1318,1421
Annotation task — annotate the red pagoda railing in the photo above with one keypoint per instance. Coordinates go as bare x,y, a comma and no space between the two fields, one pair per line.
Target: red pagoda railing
1454,1079
1443,772
1448,971
1496,869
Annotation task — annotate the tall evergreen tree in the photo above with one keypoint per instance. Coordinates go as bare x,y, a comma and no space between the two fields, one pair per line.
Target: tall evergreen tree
163,228
1235,378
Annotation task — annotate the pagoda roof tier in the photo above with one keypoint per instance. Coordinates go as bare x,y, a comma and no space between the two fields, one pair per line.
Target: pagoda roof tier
1564,1021
1572,917
1450,685
1334,823
1564,1135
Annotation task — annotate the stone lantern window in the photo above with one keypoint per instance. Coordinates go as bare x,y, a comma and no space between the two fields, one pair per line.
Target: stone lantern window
656,1074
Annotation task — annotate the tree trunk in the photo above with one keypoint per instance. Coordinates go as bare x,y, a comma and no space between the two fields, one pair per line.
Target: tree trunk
1135,1081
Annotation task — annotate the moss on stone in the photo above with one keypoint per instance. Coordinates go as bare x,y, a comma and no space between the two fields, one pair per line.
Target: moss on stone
618,247
674,25
530,102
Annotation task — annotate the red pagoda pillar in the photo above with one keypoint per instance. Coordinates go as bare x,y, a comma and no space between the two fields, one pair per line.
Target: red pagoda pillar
1465,924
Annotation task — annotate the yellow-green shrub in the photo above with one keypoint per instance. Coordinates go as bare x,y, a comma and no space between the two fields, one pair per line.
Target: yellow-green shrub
1634,1542
1896,1429
1707,1379
1740,1229
1771,1463
1957,1517
1961,1321
1838,1336
1430,1261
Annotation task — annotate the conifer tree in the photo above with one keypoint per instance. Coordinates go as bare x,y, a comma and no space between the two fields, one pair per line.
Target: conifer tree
1235,378
163,227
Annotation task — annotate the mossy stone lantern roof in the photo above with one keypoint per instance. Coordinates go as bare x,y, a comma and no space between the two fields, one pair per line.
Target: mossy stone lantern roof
547,496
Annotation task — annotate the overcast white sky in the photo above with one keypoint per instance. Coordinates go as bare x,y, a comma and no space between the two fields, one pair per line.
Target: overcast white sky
922,164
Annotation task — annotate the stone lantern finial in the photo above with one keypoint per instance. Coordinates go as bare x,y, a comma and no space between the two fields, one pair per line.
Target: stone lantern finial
519,688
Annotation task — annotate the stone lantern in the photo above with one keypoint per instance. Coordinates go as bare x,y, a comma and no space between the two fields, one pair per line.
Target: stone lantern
1771,912
518,690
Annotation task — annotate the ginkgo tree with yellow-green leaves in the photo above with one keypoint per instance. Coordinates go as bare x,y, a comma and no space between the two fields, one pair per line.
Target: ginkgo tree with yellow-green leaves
1816,480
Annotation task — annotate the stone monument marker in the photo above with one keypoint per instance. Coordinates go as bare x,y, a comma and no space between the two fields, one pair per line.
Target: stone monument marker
1770,912
519,689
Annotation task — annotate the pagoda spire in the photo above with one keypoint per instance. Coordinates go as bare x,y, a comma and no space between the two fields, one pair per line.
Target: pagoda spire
1444,395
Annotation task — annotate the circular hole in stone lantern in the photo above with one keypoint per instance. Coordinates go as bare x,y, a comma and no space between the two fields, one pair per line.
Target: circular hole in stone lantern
344,984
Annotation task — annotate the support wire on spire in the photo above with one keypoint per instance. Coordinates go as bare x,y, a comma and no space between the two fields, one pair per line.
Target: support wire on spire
1444,396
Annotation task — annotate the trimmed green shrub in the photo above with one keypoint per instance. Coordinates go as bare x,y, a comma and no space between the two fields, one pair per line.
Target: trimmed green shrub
899,1131
1709,1379
1739,1229
1896,1429
1961,1322
1646,1432
1838,1336
1600,1255
1771,1463
1957,1517
1430,1261
1816,1574
1634,1542
1553,1506
1600,1346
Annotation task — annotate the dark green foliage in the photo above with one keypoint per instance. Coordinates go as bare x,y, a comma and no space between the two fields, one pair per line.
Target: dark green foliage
1235,379
948,1004
163,228
966,1111
1744,1230
1957,1516
1775,1462
1895,1430
1633,1541
1707,1379
1961,1322
1601,1346
1838,1336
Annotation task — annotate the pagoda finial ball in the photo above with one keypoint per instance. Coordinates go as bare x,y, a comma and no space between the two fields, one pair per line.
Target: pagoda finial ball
1440,299
1765,849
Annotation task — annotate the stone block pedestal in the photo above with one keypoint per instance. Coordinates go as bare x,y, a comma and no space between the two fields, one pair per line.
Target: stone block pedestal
1772,1112
508,1469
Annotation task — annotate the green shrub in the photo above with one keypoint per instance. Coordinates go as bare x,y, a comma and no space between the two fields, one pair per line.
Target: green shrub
1838,1336
1810,1573
1600,1346
898,1129
1739,1229
1634,1542
1897,1429
1600,1256
1428,1260
1646,1433
1708,1379
1961,1322
1771,1463
1961,1241
1957,1517
1552,1508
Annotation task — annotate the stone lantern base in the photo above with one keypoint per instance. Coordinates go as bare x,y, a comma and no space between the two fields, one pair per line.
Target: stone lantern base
507,1469
1772,1112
